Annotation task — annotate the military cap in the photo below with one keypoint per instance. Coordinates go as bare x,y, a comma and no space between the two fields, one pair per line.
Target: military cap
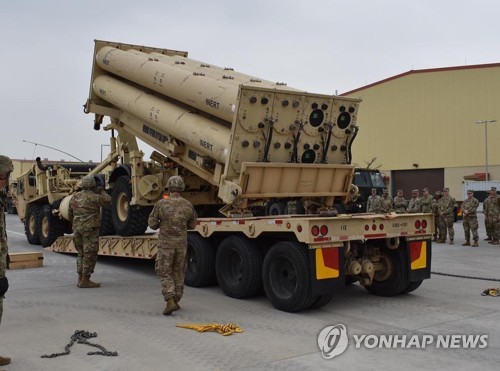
88,182
175,183
374,189
493,188
386,191
414,191
437,193
400,190
470,191
446,189
425,189
6,166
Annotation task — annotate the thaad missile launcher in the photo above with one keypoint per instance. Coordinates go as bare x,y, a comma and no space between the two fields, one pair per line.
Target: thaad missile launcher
250,139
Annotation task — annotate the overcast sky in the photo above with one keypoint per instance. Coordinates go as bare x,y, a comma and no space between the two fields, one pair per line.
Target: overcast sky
322,46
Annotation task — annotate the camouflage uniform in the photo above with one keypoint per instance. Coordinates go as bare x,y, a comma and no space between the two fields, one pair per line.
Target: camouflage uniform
426,204
386,204
5,170
446,206
373,204
492,198
494,219
85,212
414,203
469,207
435,211
174,216
400,204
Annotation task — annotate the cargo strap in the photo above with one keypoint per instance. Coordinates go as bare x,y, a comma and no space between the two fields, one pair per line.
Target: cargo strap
225,330
80,337
491,292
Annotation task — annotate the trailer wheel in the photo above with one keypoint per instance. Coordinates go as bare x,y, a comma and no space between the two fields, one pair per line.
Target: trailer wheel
49,227
238,266
31,224
200,270
394,279
128,220
412,287
275,208
321,301
287,277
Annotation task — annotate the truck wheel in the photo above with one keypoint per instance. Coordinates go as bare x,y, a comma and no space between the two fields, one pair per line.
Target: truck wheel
412,286
11,209
200,270
275,208
49,227
394,279
321,301
31,224
238,266
128,220
287,277
107,227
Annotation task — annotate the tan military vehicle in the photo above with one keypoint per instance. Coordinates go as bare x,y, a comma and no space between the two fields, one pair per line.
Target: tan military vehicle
265,166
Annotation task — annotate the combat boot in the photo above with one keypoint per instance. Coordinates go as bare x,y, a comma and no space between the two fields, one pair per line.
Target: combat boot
475,244
495,242
488,238
4,361
86,283
440,241
466,243
434,239
79,279
451,242
171,306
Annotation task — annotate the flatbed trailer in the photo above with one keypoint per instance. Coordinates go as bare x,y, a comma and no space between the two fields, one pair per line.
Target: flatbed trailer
301,261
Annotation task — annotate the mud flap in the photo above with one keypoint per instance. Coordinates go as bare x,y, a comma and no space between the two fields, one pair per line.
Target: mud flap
327,270
420,253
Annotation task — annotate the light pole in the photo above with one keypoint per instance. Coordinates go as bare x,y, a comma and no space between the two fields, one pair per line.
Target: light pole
486,122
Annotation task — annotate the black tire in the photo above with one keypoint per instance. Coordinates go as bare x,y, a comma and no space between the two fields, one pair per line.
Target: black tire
275,208
127,220
11,209
31,224
350,280
321,301
107,228
200,270
238,266
287,276
412,287
49,226
397,280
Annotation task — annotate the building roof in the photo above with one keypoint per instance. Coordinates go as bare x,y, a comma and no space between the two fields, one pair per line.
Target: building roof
428,70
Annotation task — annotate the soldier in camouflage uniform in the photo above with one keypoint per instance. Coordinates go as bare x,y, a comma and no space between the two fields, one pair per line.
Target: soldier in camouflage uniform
491,198
85,214
373,202
6,168
414,203
174,216
446,206
386,204
400,204
435,211
493,215
469,207
426,201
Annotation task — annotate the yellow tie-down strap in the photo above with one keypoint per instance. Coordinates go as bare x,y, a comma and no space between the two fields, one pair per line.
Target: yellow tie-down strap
224,329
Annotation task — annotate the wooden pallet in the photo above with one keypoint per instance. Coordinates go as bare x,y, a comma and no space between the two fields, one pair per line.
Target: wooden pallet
20,260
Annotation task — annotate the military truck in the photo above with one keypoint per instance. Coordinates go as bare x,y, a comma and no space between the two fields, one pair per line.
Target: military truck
264,164
39,193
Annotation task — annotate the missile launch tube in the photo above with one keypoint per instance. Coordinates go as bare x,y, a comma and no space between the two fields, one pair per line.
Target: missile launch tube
196,90
209,137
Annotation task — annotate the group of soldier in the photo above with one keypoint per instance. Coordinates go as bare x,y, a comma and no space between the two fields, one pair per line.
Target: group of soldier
173,215
442,205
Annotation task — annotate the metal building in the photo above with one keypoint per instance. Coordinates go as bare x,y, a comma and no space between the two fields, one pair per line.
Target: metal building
422,127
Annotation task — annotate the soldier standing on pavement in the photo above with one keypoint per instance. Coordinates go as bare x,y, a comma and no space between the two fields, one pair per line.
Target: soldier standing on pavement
446,206
386,204
435,211
373,203
469,207
414,203
400,204
491,198
426,202
85,214
494,218
174,216
6,168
